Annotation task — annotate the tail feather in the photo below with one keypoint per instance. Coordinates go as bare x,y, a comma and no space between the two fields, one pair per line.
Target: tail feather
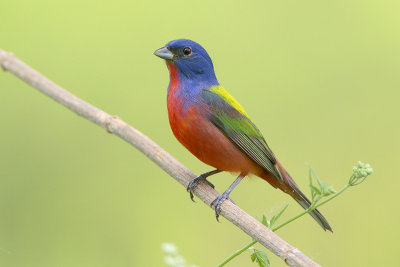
291,188
305,203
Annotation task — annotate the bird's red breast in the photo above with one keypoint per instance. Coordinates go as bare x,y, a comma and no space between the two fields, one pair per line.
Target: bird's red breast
194,130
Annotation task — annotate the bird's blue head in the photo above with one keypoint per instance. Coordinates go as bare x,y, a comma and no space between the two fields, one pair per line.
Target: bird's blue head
191,60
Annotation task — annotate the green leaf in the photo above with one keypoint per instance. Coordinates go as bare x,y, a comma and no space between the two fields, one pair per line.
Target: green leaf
276,217
323,191
264,221
315,190
331,190
260,257
324,187
320,183
309,174
253,256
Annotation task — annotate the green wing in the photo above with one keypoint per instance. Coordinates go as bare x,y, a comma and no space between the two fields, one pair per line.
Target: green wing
228,116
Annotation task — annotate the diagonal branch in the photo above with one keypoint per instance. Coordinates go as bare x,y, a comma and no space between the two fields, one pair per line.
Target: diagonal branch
292,256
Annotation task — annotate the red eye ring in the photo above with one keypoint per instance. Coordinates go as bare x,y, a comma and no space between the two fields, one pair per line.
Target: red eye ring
187,51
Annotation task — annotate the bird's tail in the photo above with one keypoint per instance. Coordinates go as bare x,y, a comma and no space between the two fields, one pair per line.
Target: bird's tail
291,188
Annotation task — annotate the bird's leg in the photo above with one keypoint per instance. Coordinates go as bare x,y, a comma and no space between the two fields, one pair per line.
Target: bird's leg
220,199
202,177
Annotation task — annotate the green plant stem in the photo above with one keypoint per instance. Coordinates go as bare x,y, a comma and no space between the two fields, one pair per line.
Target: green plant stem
237,253
312,207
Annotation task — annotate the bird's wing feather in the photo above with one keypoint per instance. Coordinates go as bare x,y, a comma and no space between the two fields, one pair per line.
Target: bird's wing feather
229,117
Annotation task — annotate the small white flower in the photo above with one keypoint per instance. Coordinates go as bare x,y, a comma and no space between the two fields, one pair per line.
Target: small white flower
169,248
173,258
361,170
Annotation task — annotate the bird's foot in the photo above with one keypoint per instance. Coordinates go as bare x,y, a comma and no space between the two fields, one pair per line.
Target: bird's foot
193,183
217,202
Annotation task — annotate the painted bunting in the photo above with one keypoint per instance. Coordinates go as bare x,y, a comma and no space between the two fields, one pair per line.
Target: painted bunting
215,128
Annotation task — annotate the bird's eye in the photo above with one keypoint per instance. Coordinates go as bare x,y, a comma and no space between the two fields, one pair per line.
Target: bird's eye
187,51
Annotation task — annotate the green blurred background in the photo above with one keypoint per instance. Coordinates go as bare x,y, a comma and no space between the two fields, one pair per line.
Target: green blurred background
320,79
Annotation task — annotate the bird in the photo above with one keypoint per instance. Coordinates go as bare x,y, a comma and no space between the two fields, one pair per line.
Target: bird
216,129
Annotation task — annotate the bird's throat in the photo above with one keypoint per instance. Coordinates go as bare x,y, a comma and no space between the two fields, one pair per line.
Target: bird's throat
173,74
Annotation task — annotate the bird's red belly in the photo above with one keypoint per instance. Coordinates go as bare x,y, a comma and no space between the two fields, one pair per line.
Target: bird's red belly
193,130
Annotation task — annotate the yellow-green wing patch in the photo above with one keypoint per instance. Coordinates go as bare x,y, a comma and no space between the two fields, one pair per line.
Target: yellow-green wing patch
219,90
231,119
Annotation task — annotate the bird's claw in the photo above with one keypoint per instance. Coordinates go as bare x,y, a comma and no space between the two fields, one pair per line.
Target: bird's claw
217,202
194,182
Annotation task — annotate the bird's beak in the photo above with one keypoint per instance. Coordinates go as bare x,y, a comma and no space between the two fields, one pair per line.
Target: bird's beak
164,53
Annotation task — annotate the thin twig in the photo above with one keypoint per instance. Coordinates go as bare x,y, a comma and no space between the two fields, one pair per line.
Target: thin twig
237,253
292,256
